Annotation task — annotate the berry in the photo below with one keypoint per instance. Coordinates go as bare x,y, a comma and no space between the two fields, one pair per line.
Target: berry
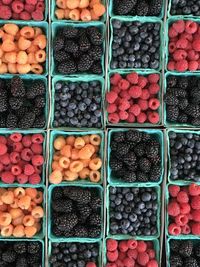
143,258
112,245
112,255
173,209
195,202
182,197
174,190
174,229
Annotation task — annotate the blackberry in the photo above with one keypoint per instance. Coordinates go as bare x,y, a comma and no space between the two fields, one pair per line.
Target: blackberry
142,177
32,259
11,121
78,194
9,256
123,7
20,247
56,231
142,8
174,245
61,56
96,52
2,121
197,250
67,67
95,219
27,121
84,43
155,173
171,100
172,81
2,83
21,111
67,222
57,193
33,247
95,203
140,149
152,151
40,102
66,206
96,68
119,137
3,104
113,146
22,262
193,110
130,158
195,94
145,165
37,88
133,136
37,110
122,149
155,7
182,118
71,46
80,231
186,248
155,160
172,113
176,261
39,122
129,177
183,82
84,211
183,103
70,32
115,164
17,87
3,93
16,103
94,232
178,92
59,43
96,37
190,262
85,63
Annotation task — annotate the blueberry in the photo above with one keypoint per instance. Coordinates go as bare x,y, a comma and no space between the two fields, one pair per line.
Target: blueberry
116,24
74,121
65,89
58,86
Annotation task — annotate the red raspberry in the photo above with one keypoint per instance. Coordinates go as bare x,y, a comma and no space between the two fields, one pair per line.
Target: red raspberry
191,26
7,2
123,104
173,209
37,148
179,54
152,263
37,160
112,244
131,118
113,118
7,177
24,15
17,6
31,2
27,154
189,46
119,263
151,252
154,103
181,65
123,115
38,169
16,137
154,88
174,190
122,255
125,95
5,12
29,8
145,94
132,244
185,208
194,190
171,65
179,26
128,262
115,89
111,265
174,229
182,197
27,140
3,140
40,6
135,109
153,117
112,108
3,149
18,147
181,219
172,33
1,167
91,264
172,47
185,229
111,97
143,104
187,36
5,159
22,178
37,138
16,170
142,81
123,84
141,246
132,253
112,255
196,228
195,203
37,15
154,78
143,258
193,65
115,78
135,91
182,43
132,77
142,117
123,247
34,178
29,169
15,16
193,55
8,167
195,215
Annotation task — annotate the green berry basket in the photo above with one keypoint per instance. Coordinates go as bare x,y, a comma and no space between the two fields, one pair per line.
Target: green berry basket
56,26
51,235
174,124
55,134
28,240
156,246
31,79
28,132
45,28
76,80
123,236
166,50
158,134
135,124
142,20
169,157
111,13
54,18
83,242
41,234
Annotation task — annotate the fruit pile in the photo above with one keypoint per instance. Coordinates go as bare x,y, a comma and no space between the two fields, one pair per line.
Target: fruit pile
76,158
133,98
184,156
22,105
78,104
21,212
183,7
135,45
184,46
79,254
183,210
182,100
22,49
22,10
133,211
83,10
21,158
135,157
76,212
137,8
78,50
20,253
184,253
130,252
